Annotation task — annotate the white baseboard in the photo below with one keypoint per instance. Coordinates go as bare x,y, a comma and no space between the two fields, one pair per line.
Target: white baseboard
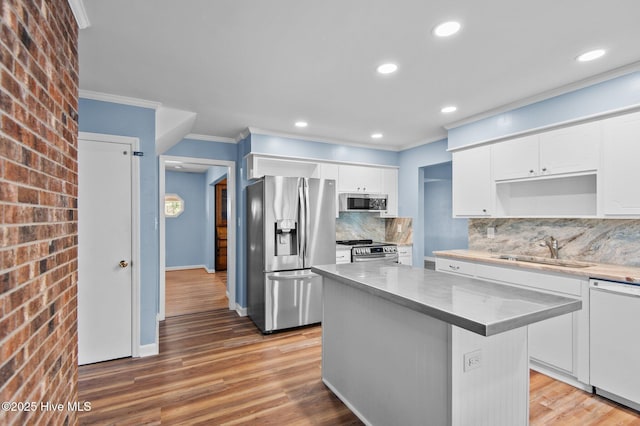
210,271
180,268
570,380
148,350
241,311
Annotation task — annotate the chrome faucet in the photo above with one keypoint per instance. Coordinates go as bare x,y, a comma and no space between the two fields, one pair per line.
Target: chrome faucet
552,244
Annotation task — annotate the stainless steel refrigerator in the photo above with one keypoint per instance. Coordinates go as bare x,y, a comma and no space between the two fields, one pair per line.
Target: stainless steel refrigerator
290,227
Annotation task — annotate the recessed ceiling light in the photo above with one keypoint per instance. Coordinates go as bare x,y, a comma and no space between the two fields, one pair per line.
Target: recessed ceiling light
591,55
449,109
387,68
447,29
376,136
301,124
177,167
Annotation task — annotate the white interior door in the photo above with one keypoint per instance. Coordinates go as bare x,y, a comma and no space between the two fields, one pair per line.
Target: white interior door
104,250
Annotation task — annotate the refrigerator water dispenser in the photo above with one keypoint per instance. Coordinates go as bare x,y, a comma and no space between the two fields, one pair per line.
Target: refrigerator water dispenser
286,235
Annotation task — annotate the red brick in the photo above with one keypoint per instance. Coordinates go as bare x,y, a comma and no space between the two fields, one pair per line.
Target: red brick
38,190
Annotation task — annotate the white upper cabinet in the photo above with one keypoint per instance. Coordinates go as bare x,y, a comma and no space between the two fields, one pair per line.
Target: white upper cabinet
360,179
571,149
258,166
620,166
516,158
472,185
390,187
568,150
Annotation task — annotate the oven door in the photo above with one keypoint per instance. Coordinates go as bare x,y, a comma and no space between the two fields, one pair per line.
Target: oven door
389,257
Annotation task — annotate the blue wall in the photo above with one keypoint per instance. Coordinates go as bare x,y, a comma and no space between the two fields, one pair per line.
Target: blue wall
411,187
124,120
612,94
185,235
441,230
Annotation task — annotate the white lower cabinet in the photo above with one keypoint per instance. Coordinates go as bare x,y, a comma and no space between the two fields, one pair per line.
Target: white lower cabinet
559,346
343,256
405,255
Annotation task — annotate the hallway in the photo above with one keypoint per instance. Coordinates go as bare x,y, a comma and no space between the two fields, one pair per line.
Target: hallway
190,291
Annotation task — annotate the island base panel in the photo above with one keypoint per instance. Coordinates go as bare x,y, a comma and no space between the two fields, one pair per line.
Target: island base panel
392,365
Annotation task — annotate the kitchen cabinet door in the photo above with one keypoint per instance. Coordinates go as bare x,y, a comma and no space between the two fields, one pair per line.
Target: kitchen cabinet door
390,187
516,158
360,179
343,256
571,149
405,255
472,185
620,169
552,341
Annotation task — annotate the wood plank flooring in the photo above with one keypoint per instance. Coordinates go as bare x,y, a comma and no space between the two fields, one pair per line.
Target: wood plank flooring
215,368
191,291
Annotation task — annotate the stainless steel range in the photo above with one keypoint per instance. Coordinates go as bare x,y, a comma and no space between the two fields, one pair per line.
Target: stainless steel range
369,250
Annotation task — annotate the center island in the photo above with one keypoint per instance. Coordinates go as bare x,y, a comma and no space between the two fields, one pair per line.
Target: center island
408,346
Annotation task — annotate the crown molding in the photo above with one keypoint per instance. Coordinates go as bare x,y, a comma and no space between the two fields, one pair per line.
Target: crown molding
117,99
208,138
257,131
242,135
422,142
577,85
80,13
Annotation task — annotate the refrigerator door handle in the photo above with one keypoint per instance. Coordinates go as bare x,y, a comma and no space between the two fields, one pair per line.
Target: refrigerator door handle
307,223
279,276
302,219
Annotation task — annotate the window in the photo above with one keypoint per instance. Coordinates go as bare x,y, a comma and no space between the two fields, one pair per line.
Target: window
173,205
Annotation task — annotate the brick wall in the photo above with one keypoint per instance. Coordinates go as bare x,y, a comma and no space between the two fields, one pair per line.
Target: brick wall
38,190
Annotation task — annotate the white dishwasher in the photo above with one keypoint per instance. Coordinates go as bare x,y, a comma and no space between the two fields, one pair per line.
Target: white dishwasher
615,341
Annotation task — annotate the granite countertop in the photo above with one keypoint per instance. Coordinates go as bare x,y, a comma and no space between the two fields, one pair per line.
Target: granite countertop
596,270
479,306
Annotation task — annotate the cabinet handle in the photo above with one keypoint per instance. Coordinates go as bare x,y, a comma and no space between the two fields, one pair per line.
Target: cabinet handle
484,210
455,268
531,171
544,169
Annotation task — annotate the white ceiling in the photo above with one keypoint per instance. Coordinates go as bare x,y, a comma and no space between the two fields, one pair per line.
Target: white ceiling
267,64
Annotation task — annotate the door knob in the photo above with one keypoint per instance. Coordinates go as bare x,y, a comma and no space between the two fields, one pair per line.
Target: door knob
123,263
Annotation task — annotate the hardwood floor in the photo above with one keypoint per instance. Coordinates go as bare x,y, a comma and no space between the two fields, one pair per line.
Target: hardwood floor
191,291
215,368
555,403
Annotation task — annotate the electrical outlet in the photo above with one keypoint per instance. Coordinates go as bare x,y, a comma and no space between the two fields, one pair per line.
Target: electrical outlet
399,228
472,360
491,232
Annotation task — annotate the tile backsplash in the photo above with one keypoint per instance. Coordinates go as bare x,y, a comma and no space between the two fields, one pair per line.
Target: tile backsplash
615,241
360,226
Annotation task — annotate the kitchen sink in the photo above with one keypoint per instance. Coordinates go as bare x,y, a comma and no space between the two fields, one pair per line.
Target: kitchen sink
545,261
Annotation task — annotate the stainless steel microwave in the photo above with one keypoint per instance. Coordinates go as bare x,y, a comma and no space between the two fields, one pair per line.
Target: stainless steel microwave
362,202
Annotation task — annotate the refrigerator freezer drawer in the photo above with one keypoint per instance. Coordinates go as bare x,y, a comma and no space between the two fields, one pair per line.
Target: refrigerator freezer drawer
293,298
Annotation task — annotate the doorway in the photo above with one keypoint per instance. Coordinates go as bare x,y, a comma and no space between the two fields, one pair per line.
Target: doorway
442,231
220,242
166,163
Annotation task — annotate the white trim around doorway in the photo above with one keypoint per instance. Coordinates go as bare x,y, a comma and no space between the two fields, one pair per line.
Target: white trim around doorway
231,225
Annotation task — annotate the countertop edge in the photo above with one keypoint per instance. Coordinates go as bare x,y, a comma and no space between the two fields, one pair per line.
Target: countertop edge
627,274
480,328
